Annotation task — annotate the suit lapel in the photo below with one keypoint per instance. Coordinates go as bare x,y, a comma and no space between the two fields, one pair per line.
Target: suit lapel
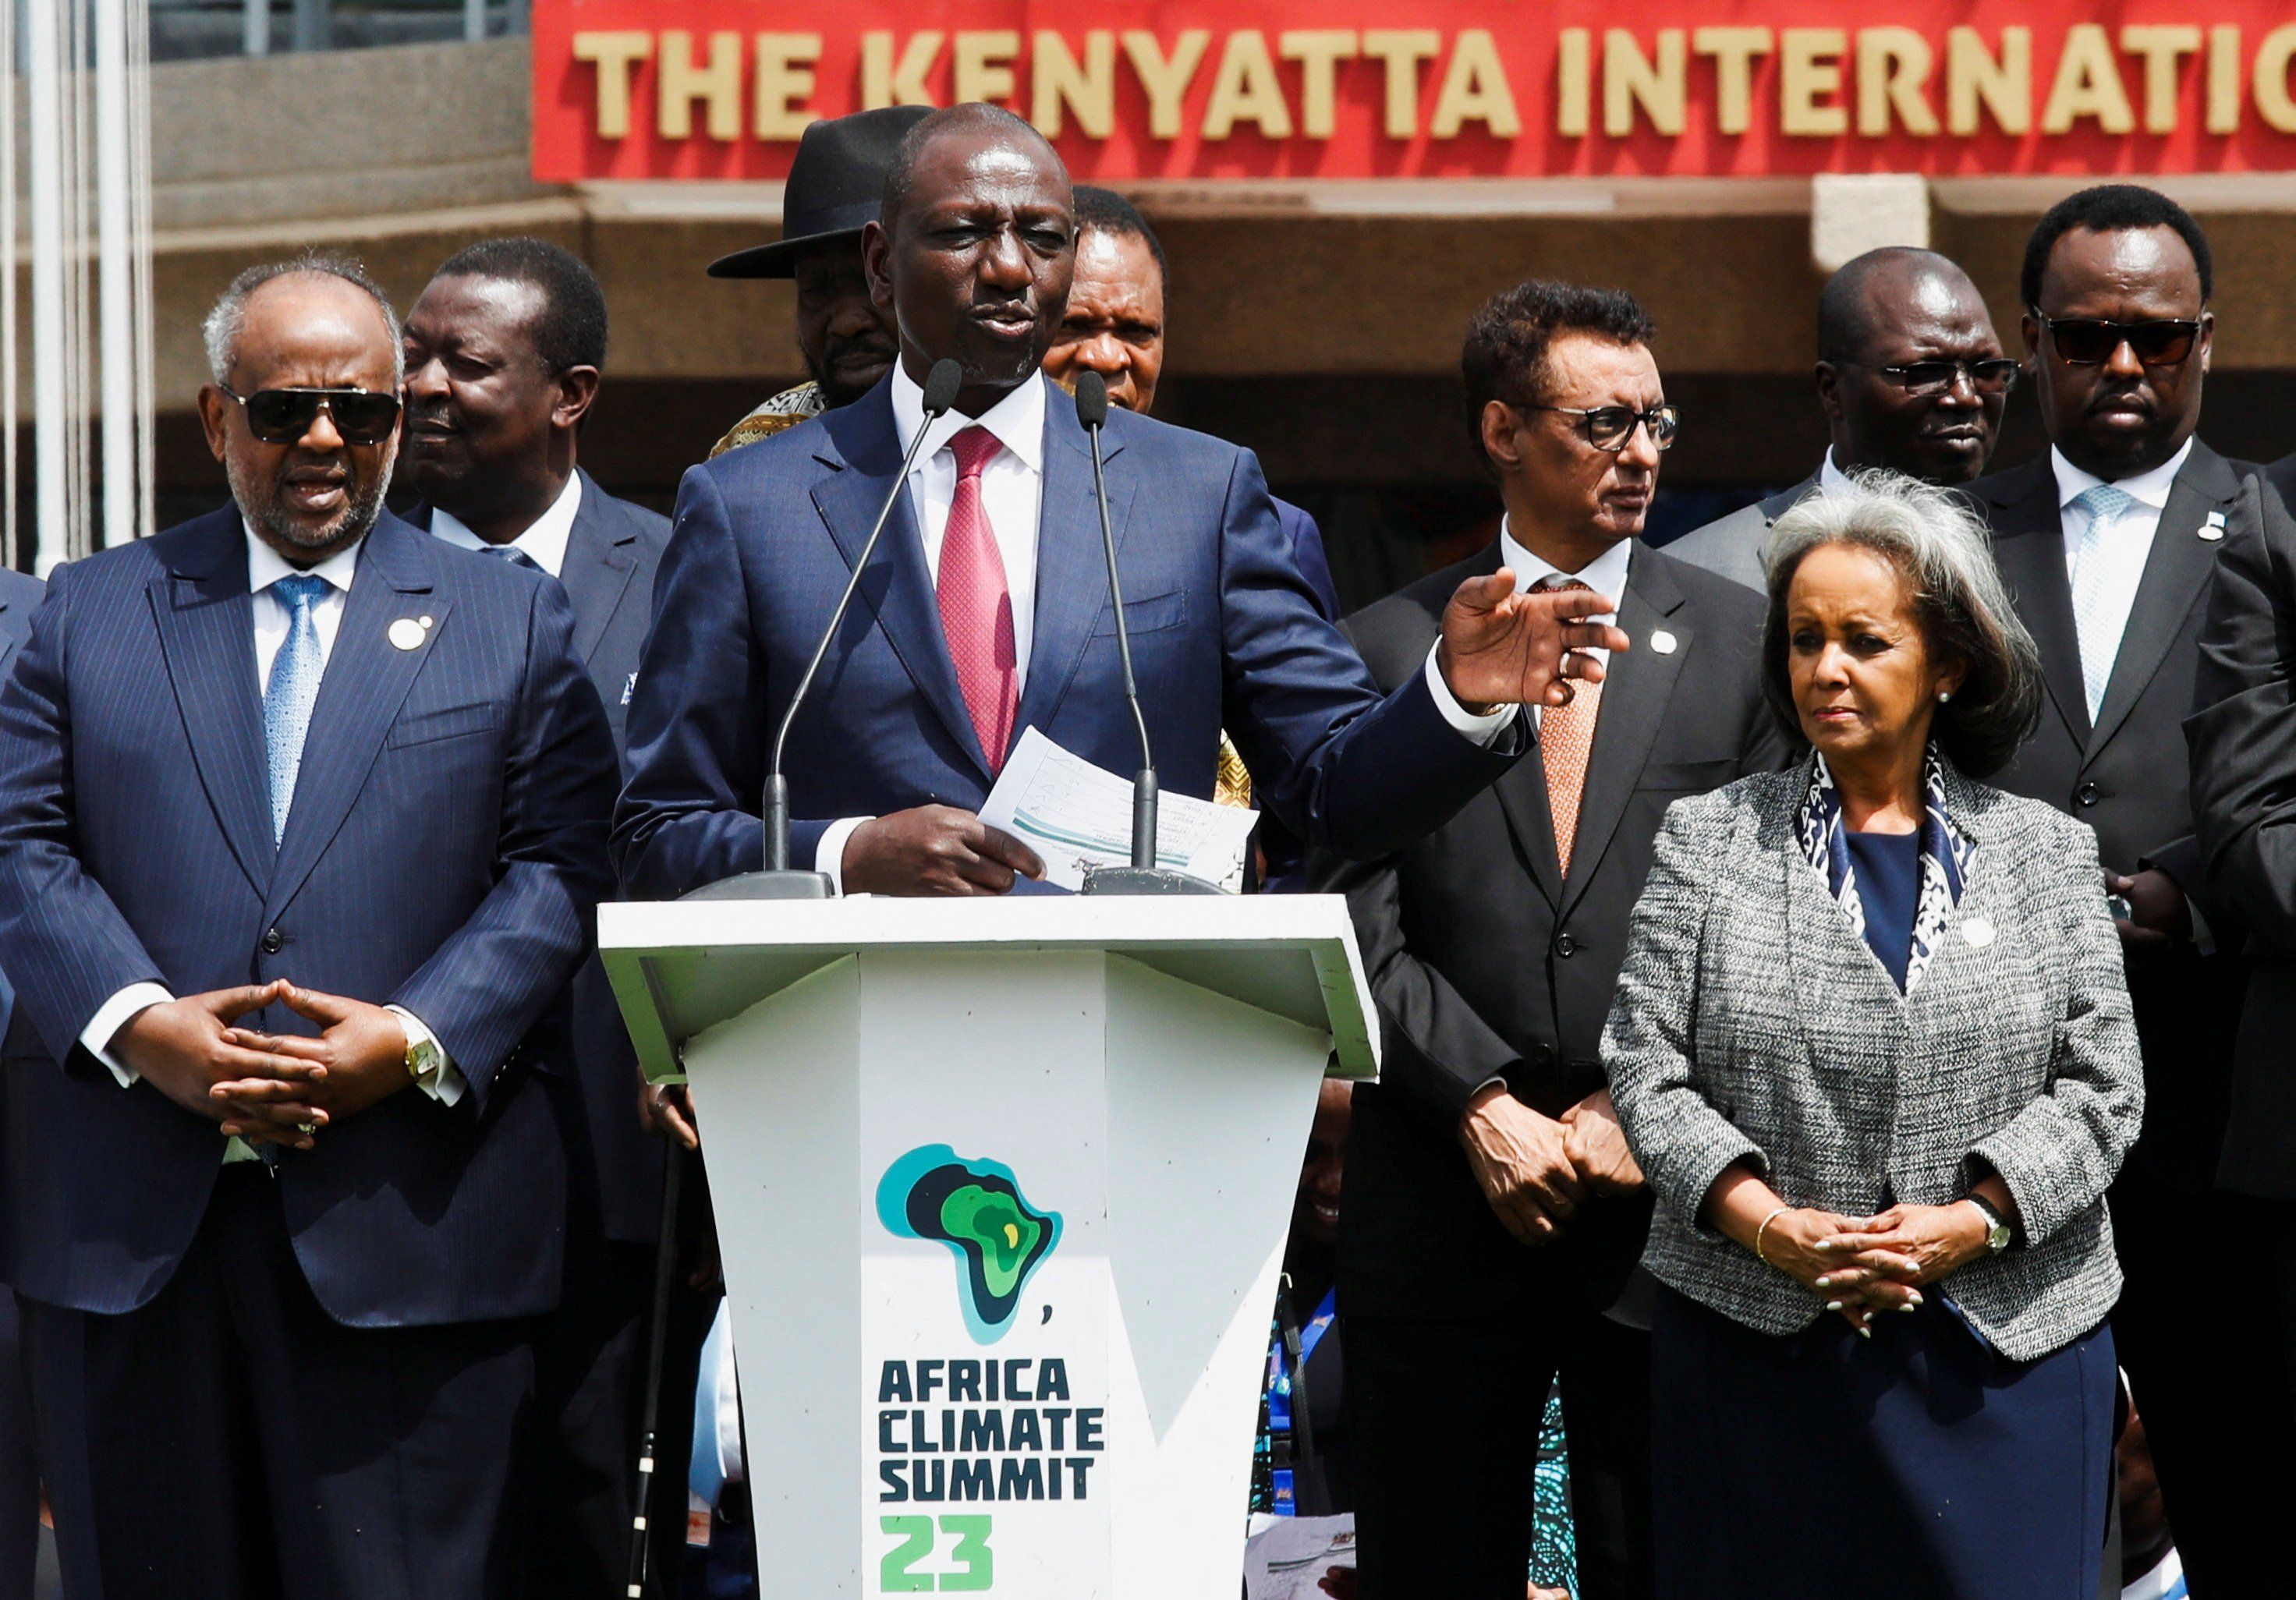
2028,546
366,678
598,564
2176,570
865,456
207,634
1635,694
1072,575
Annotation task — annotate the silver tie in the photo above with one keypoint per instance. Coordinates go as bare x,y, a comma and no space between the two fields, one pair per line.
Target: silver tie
2100,640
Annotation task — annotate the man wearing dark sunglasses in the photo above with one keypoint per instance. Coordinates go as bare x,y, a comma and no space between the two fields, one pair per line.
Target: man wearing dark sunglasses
1912,378
302,829
2110,542
1494,1216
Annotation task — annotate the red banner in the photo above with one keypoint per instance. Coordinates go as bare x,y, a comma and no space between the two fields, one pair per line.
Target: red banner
1419,88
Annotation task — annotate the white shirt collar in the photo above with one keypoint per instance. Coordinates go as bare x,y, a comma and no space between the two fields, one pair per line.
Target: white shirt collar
266,565
2147,488
1018,420
1830,476
1606,575
543,542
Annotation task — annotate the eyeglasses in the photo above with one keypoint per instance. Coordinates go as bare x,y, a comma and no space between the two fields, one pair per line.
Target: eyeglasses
1922,379
1612,426
2085,341
283,416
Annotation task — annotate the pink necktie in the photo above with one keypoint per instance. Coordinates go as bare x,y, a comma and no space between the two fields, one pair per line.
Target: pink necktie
976,605
1566,737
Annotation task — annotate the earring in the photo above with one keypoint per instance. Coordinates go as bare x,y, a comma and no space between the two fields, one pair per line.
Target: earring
1944,695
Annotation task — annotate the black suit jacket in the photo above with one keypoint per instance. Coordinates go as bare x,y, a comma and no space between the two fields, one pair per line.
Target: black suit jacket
2125,775
611,557
1488,963
2243,735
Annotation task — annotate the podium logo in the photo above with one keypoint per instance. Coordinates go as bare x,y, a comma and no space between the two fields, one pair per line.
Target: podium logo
976,1209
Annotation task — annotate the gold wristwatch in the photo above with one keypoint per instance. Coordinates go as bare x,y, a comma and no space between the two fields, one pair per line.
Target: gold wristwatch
1996,1226
424,1059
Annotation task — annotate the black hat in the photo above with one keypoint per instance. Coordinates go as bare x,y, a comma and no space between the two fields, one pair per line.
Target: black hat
836,184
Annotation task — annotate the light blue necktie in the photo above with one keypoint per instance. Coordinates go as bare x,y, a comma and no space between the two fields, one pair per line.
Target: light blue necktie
516,556
2099,640
294,687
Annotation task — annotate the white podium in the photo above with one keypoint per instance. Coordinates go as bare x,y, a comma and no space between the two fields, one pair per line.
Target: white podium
1002,1189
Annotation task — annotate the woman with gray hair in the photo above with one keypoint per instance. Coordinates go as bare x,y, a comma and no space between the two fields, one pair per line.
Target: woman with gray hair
1873,1049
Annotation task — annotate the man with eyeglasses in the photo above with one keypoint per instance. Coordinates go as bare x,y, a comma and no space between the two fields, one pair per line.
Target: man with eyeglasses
1912,379
302,829
2110,542
1494,1217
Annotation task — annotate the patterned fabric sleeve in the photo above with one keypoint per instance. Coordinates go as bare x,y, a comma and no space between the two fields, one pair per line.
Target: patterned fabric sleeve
2059,1154
1649,1045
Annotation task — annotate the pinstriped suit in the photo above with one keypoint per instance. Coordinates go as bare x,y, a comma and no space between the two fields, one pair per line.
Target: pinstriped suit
444,853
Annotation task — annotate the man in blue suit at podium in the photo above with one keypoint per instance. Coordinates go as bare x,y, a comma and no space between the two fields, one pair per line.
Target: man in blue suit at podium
986,610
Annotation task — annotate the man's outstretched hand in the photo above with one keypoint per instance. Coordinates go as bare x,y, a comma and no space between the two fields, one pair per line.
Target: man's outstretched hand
1502,647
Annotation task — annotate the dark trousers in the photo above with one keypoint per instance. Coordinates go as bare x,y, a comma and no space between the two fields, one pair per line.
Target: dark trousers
20,1471
230,1439
591,1380
1444,1416
2208,1364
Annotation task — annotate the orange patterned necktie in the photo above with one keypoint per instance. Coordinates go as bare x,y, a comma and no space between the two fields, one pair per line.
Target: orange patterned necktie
1566,735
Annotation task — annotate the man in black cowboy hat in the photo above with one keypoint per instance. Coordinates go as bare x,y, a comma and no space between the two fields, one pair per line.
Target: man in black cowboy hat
835,184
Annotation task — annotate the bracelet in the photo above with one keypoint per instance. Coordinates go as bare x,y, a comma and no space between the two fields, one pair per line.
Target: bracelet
1764,1228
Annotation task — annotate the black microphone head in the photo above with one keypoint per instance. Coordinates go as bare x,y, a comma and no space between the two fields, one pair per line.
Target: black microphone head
1092,399
941,385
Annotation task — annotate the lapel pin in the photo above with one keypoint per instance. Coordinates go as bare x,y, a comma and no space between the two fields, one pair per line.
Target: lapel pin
425,621
2213,530
1664,642
406,633
1978,931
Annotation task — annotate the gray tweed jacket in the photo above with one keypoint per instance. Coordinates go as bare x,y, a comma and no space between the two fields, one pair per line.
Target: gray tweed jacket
1753,1025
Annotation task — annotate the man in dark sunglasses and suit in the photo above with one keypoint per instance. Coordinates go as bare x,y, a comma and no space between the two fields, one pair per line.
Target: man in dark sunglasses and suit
2108,543
503,353
1912,379
302,829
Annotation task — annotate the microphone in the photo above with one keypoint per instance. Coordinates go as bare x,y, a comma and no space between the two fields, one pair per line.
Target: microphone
1143,876
779,880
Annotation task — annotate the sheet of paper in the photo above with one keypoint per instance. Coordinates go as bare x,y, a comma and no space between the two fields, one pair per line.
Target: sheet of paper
1077,815
1287,1559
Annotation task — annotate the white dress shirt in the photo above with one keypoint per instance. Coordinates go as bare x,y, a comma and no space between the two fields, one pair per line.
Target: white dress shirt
544,542
265,568
1011,493
2127,542
1830,476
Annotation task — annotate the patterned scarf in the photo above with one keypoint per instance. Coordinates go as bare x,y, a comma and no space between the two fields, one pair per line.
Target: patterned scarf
1945,858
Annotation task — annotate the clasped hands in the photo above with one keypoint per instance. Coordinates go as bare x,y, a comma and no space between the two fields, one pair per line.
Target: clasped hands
1537,1171
267,1089
1864,1266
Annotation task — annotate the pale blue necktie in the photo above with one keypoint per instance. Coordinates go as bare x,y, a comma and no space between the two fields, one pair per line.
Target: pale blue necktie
294,687
516,556
2099,640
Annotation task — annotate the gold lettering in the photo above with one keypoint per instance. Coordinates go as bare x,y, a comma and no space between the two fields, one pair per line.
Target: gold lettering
2088,84
886,81
785,82
1809,76
1245,89
1319,51
1165,79
982,66
2160,46
615,56
1662,89
1475,89
1734,50
1972,75
1402,49
2269,82
1893,76
682,83
1574,81
1057,79
2224,80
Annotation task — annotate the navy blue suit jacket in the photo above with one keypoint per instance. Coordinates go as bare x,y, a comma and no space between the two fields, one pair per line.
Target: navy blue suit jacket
1308,551
608,576
19,597
1225,633
444,853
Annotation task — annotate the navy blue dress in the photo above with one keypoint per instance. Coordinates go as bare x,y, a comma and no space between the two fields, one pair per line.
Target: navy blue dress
1919,1465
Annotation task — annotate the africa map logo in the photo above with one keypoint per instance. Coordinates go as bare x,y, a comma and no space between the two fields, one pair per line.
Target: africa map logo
976,1209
